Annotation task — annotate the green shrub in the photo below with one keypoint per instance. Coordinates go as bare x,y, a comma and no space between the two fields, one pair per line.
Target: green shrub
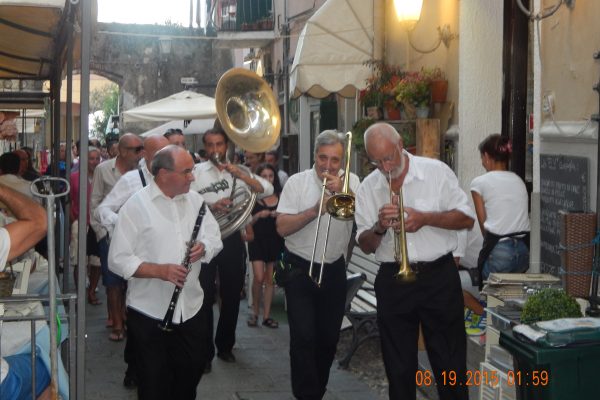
549,304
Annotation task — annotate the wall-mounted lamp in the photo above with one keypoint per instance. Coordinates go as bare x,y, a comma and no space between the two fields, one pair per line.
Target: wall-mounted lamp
548,11
409,13
164,44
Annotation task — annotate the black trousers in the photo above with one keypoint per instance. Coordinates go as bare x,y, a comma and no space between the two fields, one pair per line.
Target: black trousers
315,317
171,363
435,301
230,264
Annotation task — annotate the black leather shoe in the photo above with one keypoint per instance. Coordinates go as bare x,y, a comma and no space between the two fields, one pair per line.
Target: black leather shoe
227,357
208,367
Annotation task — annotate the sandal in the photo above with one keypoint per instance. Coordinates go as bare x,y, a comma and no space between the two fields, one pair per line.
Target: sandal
116,335
271,323
253,320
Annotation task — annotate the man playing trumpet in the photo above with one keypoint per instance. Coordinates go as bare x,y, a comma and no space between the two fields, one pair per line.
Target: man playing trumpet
436,208
315,311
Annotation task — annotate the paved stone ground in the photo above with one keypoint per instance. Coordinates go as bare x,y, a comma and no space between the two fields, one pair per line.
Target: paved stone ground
261,372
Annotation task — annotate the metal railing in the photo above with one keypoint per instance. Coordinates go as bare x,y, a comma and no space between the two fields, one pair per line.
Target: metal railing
243,15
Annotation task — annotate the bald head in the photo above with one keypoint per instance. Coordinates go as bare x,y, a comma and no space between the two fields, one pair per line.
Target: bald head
152,144
172,169
129,140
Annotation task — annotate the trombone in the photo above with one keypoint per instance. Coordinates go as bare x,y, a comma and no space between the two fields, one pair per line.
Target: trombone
339,206
405,272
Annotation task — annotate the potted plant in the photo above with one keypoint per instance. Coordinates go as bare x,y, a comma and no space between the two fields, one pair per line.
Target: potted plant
549,304
380,88
438,84
413,92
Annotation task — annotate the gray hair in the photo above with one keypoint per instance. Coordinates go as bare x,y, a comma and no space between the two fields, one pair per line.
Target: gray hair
327,138
164,159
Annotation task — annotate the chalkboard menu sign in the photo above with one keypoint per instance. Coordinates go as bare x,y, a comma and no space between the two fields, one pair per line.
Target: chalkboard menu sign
563,186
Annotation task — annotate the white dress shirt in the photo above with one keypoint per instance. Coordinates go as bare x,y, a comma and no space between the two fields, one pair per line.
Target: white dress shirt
214,185
155,228
106,176
301,192
126,186
430,185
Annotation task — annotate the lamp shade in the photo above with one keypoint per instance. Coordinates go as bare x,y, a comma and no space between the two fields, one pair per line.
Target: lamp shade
408,11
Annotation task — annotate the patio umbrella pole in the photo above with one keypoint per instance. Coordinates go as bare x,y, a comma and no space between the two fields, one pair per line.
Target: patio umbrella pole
593,310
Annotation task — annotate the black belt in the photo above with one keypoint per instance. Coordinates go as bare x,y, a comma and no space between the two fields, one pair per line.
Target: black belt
423,266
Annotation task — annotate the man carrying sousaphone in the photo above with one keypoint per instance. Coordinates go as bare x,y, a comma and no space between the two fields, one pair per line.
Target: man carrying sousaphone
315,304
436,207
215,181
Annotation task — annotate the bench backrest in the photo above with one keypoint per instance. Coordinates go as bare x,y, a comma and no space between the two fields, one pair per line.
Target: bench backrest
363,264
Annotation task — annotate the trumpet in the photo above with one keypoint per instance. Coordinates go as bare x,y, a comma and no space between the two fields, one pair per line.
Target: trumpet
405,272
339,206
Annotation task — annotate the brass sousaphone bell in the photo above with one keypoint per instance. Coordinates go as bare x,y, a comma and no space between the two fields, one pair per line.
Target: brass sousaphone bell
248,110
249,115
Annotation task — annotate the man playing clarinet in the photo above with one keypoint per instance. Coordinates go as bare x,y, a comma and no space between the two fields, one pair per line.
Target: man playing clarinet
151,238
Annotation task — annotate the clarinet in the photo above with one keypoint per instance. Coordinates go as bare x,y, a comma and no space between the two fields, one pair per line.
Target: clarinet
165,325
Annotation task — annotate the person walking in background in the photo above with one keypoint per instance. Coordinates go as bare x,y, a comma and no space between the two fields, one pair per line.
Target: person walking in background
315,312
106,175
501,200
30,173
272,157
265,248
175,136
253,160
435,207
93,262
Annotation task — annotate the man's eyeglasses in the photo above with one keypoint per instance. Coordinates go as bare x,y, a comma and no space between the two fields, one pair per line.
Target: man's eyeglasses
384,160
185,172
137,149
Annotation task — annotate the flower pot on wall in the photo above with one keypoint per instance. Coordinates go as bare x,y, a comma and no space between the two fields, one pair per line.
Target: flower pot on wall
422,112
374,112
392,111
439,91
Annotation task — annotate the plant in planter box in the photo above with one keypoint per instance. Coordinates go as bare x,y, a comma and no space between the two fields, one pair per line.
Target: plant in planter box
549,304
413,91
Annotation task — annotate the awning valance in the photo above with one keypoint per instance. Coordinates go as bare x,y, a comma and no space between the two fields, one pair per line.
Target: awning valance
333,47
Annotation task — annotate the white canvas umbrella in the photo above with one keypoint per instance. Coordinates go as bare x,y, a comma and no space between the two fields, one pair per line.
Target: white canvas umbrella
194,127
186,105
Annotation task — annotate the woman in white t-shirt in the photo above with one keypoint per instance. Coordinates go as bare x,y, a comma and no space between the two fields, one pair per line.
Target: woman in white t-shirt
501,201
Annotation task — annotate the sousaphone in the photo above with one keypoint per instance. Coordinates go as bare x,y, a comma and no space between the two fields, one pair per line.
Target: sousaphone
249,115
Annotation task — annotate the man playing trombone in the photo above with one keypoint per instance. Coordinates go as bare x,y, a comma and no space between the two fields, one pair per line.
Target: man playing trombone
315,304
428,290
